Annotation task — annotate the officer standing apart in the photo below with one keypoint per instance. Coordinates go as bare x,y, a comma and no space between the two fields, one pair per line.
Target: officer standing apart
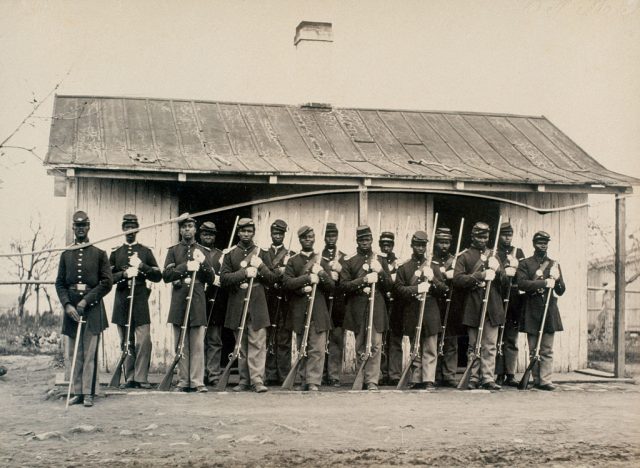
536,275
182,260
359,273
509,256
84,278
302,271
474,268
216,306
242,263
134,262
278,337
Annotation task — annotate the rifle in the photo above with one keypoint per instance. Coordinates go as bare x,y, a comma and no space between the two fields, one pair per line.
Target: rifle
359,381
165,385
466,377
500,341
524,382
415,351
215,293
443,327
119,369
73,362
271,345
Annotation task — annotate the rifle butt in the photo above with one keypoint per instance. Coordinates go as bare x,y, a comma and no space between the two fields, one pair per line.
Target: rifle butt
466,377
117,372
224,378
358,383
403,383
167,380
291,376
524,381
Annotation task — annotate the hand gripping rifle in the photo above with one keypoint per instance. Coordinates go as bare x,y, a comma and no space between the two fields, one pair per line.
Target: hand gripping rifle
500,342
466,377
165,385
359,381
126,351
415,349
215,293
73,361
332,294
443,327
224,378
271,345
535,359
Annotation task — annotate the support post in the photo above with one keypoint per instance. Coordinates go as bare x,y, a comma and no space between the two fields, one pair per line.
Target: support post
621,286
72,206
363,205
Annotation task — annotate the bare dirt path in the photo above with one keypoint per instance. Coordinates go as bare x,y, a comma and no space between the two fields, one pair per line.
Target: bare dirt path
581,425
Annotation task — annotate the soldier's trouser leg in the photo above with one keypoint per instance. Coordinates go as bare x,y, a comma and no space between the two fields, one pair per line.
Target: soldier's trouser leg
424,366
395,355
142,353
448,362
372,367
213,351
283,351
130,360
384,357
542,373
311,370
336,347
191,366
510,347
253,353
271,363
85,361
484,368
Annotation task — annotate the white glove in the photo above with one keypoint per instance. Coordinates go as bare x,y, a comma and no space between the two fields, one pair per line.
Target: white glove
555,272
281,270
375,266
131,272
393,277
226,251
216,280
511,271
252,272
428,273
493,263
193,265
335,275
513,261
372,277
366,290
489,275
134,260
423,287
336,266
449,274
198,256
315,269
549,283
307,289
256,261
315,279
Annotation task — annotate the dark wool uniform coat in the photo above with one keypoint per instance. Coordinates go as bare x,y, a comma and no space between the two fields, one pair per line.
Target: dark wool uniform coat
337,307
532,282
276,258
175,272
148,270
353,282
390,264
440,266
470,281
233,275
516,300
406,288
216,296
84,274
296,277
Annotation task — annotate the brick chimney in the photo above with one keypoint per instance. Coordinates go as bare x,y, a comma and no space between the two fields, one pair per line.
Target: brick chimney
314,63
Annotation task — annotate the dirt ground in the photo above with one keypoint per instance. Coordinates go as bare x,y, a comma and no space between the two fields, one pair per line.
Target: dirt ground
579,425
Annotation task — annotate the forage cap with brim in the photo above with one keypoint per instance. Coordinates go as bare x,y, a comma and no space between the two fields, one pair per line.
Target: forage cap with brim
419,237
304,230
208,226
80,217
387,236
506,227
245,222
279,225
480,228
331,228
130,219
541,236
187,219
443,233
363,231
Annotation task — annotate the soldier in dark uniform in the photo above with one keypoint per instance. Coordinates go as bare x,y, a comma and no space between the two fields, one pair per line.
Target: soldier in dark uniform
415,278
474,268
247,261
391,360
536,275
216,307
442,265
183,259
359,273
84,278
278,336
509,256
302,271
333,259
134,262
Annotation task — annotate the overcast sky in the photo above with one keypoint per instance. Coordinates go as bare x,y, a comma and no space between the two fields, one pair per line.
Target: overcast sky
576,62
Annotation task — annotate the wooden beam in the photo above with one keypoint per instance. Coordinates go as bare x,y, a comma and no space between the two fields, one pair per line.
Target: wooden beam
621,285
363,205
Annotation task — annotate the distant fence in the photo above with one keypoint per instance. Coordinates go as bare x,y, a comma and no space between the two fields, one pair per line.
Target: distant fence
601,312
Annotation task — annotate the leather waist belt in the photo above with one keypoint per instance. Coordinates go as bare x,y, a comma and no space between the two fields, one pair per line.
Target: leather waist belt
79,287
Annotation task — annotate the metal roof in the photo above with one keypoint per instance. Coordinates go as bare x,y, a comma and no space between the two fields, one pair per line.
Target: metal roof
131,134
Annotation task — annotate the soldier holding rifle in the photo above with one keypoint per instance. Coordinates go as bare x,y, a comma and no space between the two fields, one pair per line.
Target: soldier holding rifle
475,268
131,262
183,260
539,276
359,274
84,278
302,272
245,262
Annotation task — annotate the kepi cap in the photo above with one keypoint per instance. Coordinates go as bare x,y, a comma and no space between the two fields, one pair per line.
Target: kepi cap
80,217
387,236
208,226
363,231
331,228
419,237
480,228
506,227
279,225
187,219
304,230
443,233
130,219
246,222
541,236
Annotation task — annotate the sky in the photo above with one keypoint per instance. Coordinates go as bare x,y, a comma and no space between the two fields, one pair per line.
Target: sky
577,62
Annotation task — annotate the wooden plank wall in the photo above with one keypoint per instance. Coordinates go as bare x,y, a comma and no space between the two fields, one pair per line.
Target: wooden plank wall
105,201
568,230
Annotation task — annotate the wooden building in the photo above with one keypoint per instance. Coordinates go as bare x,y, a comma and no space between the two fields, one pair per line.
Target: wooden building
159,158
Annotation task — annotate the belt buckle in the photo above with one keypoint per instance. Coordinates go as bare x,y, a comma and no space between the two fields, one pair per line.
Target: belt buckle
81,287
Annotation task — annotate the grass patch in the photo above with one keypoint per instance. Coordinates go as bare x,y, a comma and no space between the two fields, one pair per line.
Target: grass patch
32,334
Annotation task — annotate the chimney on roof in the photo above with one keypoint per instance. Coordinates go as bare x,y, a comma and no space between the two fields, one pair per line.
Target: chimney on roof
314,63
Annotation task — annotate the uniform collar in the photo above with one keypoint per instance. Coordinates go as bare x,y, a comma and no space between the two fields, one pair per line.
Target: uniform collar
249,247
183,242
132,244
307,254
276,247
418,258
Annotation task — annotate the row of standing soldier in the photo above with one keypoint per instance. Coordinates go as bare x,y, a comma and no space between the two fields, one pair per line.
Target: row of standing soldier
278,303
